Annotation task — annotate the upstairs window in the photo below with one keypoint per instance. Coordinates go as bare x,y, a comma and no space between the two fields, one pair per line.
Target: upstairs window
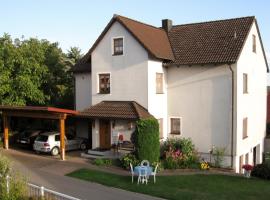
104,83
245,83
176,126
159,83
245,127
254,43
118,47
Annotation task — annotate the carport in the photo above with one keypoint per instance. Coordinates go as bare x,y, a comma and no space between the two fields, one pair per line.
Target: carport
40,113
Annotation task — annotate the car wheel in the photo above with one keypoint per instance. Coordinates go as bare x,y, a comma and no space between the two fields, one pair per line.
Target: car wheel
55,151
83,146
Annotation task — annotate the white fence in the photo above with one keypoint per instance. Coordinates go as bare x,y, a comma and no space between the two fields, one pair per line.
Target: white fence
40,191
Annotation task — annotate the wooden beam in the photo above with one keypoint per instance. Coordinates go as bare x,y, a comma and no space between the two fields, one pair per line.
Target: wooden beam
34,115
5,122
62,135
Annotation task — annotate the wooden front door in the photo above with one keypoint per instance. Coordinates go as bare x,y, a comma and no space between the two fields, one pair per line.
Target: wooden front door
104,134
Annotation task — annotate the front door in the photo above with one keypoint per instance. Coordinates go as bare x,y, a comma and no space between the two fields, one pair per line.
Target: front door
104,134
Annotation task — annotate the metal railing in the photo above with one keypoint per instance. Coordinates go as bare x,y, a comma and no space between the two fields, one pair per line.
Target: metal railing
40,191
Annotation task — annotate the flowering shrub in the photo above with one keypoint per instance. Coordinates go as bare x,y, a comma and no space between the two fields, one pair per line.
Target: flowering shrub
204,165
179,153
247,167
127,159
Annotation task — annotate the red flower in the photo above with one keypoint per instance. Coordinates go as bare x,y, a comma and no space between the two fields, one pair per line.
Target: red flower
247,167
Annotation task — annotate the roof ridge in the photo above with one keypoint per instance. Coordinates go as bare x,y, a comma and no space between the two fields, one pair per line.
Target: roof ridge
152,26
213,21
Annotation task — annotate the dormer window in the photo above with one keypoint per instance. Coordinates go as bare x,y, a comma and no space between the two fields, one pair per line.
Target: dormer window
118,46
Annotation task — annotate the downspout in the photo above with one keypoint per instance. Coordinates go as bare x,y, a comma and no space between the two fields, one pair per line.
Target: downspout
232,135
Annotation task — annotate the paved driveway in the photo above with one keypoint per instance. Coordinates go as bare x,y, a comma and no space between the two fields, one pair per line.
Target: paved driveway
49,172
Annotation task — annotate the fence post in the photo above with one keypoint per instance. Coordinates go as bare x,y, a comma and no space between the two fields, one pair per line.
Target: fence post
7,183
42,191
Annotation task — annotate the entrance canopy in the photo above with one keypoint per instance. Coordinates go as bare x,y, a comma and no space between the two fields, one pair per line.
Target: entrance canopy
40,113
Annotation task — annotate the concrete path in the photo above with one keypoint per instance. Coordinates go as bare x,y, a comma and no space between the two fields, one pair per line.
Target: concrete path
49,172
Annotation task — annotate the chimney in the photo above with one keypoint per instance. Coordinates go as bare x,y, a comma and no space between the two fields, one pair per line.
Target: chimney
167,24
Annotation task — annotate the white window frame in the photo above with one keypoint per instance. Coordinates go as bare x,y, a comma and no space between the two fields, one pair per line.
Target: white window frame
181,125
98,89
112,45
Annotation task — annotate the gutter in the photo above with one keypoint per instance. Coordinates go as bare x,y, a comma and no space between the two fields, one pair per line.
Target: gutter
232,130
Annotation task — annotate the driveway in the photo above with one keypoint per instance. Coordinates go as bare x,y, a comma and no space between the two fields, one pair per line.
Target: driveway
49,172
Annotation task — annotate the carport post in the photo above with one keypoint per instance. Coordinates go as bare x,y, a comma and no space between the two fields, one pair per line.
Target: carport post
5,121
62,135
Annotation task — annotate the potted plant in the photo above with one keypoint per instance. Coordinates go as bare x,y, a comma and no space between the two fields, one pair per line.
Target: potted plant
247,168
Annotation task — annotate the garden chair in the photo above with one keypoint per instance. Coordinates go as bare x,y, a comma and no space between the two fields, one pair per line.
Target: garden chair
145,163
154,173
132,171
143,175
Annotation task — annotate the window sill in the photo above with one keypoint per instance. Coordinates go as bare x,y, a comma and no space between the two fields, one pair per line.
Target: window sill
175,133
159,92
103,93
117,54
245,137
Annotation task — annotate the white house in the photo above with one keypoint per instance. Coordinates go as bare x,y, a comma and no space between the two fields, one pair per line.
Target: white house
206,81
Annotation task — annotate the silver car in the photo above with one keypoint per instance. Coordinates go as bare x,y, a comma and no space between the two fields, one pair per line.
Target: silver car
49,142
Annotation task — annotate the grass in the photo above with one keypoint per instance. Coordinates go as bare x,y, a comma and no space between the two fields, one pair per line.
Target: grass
185,186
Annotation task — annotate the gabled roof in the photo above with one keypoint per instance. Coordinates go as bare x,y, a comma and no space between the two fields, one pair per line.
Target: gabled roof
213,42
116,110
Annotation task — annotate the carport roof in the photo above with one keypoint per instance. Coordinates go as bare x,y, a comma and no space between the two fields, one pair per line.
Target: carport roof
36,111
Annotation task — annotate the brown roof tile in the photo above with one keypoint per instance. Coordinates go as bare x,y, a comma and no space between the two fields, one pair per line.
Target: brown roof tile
209,42
116,110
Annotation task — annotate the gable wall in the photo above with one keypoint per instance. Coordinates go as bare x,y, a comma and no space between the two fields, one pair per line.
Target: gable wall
253,104
128,71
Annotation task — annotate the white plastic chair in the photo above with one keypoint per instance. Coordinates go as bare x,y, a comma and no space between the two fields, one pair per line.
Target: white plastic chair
142,175
132,171
145,163
154,173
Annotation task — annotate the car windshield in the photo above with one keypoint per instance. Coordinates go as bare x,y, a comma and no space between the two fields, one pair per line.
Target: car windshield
42,138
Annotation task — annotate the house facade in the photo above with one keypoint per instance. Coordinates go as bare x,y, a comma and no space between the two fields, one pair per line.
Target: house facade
205,81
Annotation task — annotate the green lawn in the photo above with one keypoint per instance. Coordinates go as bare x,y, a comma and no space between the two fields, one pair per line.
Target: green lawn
185,186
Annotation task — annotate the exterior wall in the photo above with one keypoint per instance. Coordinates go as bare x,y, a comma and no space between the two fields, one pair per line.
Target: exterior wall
253,104
128,71
157,103
83,91
201,97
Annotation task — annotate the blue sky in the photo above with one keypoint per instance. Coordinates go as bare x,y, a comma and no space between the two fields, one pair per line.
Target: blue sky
79,22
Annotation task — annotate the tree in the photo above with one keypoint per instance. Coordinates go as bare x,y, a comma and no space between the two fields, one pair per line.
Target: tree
36,72
21,72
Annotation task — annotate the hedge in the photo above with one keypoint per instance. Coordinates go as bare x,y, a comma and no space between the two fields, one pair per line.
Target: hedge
147,145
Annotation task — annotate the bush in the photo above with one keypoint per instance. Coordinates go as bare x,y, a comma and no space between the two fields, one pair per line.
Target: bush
102,162
147,145
218,154
179,153
261,171
127,159
17,183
